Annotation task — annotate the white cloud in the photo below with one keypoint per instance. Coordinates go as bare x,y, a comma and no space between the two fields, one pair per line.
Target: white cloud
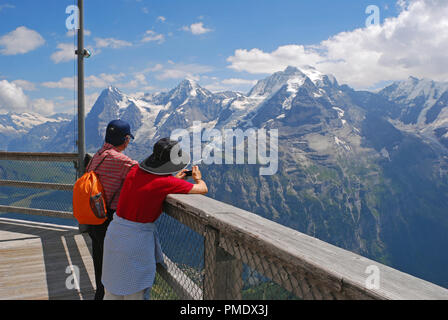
182,71
111,43
140,77
103,80
232,84
20,41
43,106
25,85
94,81
156,68
72,33
413,43
161,19
6,6
64,83
196,28
153,36
138,81
13,99
143,91
65,53
236,81
258,62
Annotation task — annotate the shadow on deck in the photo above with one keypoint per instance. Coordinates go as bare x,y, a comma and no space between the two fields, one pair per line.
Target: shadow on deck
39,261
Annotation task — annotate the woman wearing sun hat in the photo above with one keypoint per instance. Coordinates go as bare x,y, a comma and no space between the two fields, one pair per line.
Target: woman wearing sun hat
131,246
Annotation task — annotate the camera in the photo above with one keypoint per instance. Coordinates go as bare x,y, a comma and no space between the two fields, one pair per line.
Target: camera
190,172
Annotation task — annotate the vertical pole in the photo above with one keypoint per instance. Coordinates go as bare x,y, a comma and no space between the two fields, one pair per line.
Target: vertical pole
81,106
210,277
222,272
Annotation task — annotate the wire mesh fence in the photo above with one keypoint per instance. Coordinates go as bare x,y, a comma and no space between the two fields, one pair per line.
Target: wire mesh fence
196,267
44,171
199,268
209,256
184,250
28,182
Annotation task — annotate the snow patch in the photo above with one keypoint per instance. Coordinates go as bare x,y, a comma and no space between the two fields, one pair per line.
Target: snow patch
29,120
282,116
315,76
341,114
294,84
339,142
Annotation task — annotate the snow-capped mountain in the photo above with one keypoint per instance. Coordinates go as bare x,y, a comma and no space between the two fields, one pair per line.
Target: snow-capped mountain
293,78
17,130
421,106
299,101
362,170
21,123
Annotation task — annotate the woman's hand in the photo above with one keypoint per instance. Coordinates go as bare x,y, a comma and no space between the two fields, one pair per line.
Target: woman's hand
200,187
197,176
181,174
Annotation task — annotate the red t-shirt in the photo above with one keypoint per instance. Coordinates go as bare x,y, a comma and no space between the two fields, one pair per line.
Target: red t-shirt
143,194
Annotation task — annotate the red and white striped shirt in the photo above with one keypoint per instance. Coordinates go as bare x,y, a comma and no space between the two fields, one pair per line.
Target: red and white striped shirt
111,172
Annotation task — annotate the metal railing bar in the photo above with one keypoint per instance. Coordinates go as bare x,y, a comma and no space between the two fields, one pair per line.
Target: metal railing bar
37,212
182,285
36,156
37,185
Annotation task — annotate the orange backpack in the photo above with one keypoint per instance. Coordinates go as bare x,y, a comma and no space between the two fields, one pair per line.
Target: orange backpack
89,199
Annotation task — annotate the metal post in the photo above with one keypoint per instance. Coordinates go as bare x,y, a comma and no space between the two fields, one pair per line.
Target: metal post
81,106
222,272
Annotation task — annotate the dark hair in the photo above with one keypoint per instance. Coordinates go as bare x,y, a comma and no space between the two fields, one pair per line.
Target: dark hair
115,141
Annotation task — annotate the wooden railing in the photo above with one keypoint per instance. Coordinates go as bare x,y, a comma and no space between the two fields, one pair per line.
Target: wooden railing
305,266
234,239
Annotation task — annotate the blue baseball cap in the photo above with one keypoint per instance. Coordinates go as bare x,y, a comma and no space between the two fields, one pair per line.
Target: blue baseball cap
116,132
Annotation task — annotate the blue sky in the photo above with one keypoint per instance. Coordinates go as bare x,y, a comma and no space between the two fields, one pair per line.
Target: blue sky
146,46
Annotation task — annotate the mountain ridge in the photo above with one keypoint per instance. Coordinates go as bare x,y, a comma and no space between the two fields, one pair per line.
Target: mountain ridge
353,170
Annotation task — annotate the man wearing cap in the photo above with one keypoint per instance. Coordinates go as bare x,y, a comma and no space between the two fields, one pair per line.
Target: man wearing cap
131,246
112,166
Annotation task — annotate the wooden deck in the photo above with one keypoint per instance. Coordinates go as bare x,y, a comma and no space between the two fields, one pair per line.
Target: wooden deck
38,261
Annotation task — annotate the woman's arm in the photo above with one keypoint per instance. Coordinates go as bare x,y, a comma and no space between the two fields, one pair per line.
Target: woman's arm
200,187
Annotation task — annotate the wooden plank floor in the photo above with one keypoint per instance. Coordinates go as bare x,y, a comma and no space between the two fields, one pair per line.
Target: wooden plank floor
39,261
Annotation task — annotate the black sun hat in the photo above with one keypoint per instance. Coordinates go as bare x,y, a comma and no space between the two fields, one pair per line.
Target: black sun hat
167,158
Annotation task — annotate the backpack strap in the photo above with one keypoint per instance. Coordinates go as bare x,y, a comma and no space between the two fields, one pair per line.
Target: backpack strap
98,165
119,188
116,192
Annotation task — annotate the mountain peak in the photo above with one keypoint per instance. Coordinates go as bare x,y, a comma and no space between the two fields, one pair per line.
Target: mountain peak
412,88
317,77
188,83
188,88
111,89
111,92
290,76
291,70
